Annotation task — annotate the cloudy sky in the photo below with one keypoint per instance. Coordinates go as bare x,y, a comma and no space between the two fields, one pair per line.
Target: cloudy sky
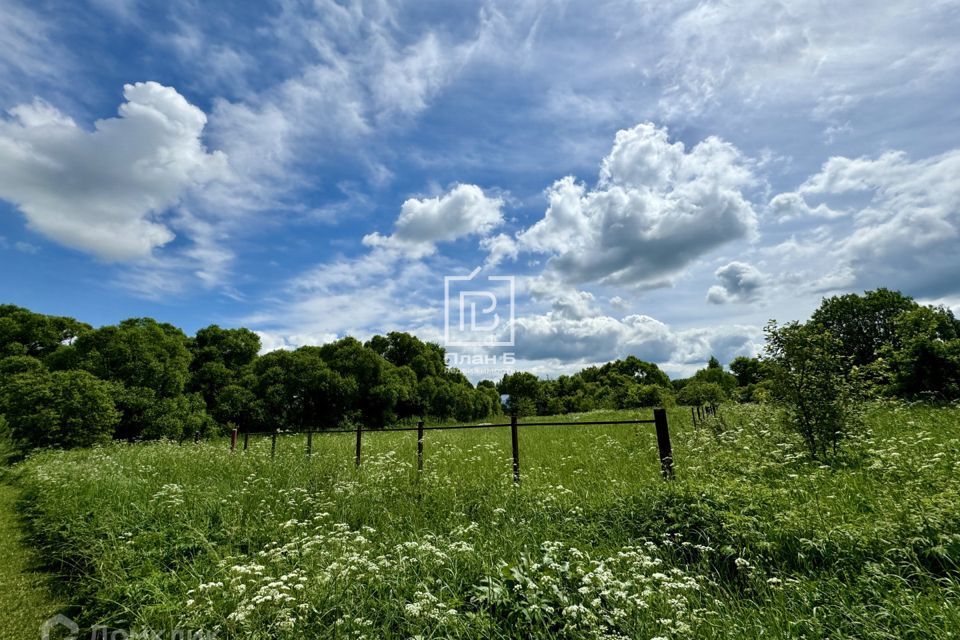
661,178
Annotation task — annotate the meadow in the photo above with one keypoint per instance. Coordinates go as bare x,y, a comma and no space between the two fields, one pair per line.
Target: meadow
751,539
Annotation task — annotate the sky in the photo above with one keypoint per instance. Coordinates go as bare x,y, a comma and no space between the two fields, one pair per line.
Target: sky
656,179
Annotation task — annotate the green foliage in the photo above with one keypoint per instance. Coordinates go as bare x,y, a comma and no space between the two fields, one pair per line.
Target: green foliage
23,332
925,364
808,379
862,325
748,371
750,540
63,409
139,352
697,393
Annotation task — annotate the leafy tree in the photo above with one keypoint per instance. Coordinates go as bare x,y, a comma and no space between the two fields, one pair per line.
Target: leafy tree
862,325
524,391
807,372
715,374
926,362
748,371
699,393
12,365
23,332
297,389
139,352
63,409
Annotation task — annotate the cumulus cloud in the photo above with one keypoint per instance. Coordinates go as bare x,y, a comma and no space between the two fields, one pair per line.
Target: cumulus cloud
558,337
105,191
903,228
657,208
786,207
463,211
739,282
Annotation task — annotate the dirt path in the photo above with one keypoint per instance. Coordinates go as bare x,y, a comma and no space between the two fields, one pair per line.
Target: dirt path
25,600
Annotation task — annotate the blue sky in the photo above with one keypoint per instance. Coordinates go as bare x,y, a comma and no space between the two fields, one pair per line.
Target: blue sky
660,178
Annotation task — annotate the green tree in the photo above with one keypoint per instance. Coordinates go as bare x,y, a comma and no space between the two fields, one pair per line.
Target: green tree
748,371
23,332
862,324
698,393
926,361
63,409
807,373
139,352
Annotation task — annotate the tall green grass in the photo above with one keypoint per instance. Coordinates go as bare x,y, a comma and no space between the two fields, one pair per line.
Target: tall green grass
750,540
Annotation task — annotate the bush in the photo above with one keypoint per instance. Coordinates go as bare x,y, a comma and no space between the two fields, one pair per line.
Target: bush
808,380
64,409
701,393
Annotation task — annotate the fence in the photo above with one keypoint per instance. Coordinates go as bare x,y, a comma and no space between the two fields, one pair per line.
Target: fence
659,421
700,413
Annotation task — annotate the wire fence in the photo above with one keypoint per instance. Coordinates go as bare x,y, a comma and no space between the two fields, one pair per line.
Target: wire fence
659,421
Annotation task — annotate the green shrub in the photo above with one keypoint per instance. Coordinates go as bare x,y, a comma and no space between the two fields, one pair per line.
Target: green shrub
808,377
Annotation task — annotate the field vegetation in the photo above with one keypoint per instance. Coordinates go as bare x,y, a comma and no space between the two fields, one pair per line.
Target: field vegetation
752,539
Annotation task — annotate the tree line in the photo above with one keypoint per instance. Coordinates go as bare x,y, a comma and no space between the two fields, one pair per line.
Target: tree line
64,383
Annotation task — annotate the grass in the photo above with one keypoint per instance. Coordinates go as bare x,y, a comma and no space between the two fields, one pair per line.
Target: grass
25,598
750,540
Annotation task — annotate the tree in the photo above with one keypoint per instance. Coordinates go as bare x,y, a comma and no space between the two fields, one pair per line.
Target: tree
926,362
524,391
807,372
139,352
698,393
298,390
748,371
63,409
862,325
23,332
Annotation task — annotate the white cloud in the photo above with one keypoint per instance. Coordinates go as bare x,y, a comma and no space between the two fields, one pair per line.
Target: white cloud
105,191
786,207
463,211
903,229
556,337
349,73
739,282
827,56
656,208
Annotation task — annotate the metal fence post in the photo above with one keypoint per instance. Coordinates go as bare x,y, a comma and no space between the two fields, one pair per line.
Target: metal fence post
359,432
246,441
310,443
663,442
273,444
516,448
420,447
233,441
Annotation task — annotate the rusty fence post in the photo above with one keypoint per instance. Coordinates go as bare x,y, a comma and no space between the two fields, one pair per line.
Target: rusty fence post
359,433
663,443
233,441
419,447
514,440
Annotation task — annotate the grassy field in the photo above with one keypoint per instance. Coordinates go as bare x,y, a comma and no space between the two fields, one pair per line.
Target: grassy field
751,540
